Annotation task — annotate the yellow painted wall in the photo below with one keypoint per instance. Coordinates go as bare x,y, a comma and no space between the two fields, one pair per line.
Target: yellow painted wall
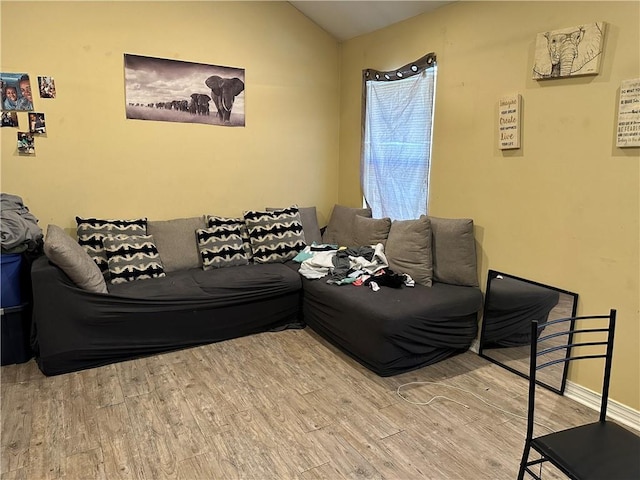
564,209
94,161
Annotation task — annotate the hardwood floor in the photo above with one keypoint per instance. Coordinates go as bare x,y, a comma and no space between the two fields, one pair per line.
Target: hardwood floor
270,406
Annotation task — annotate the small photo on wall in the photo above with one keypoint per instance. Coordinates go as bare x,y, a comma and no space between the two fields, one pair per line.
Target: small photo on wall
47,87
36,123
16,92
26,144
9,119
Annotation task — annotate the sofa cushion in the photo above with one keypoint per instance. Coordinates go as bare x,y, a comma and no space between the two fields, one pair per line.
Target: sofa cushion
408,249
340,230
454,251
221,246
214,221
310,227
227,288
275,236
176,242
92,230
132,257
371,231
67,254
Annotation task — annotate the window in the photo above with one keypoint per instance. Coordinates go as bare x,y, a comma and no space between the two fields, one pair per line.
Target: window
396,153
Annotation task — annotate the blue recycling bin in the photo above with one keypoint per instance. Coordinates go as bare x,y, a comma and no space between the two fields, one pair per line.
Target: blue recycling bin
14,331
10,280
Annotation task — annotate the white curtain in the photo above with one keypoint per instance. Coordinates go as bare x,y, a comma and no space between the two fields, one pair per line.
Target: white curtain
397,145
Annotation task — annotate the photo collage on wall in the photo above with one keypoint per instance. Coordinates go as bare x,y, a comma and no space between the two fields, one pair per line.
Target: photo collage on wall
17,97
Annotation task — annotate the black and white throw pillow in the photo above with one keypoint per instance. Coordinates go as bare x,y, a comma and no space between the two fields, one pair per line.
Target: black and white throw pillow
214,222
221,246
132,257
91,231
276,236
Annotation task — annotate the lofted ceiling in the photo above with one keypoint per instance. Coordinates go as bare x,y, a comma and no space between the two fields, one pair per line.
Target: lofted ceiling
348,19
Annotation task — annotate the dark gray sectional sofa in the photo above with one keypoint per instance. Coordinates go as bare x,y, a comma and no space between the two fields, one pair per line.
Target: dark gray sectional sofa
389,331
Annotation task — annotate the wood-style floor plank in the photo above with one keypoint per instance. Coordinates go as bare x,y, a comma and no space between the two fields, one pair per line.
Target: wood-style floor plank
107,385
116,439
47,442
15,429
155,443
327,471
345,457
285,405
86,464
134,377
81,432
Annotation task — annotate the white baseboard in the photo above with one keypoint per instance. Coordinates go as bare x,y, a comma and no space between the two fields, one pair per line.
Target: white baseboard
615,410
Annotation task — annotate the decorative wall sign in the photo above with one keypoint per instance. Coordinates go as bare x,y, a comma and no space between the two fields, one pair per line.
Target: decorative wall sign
569,52
628,133
176,91
16,91
509,122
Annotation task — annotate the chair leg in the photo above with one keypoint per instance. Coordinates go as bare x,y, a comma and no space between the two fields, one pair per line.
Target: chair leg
523,462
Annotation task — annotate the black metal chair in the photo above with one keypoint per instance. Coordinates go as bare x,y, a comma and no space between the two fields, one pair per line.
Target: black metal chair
600,450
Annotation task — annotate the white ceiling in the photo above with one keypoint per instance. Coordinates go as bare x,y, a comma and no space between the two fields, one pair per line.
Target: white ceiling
349,19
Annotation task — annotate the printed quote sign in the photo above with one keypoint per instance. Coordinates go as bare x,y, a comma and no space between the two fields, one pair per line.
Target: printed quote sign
509,122
628,132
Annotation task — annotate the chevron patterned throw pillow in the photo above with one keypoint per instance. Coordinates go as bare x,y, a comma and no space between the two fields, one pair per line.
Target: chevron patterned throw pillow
276,236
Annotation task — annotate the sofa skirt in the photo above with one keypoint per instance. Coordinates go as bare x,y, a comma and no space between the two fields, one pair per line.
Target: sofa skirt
74,329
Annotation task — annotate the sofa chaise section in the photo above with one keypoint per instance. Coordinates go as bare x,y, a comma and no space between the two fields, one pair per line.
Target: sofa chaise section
394,330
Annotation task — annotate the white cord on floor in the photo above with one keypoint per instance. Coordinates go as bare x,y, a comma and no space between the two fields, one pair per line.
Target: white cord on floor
459,403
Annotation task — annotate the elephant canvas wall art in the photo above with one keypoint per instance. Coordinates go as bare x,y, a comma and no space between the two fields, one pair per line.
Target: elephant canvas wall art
569,52
177,91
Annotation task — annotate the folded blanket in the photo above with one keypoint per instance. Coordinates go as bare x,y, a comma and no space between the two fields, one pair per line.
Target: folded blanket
19,230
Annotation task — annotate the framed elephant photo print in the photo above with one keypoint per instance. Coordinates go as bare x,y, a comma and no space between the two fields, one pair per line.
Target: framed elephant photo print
569,52
176,91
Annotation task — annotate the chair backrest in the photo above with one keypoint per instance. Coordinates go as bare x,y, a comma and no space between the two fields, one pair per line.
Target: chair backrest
596,335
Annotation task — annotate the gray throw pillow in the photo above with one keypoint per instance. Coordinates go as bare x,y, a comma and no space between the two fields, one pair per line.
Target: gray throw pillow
176,242
408,249
454,251
371,231
66,253
340,229
309,218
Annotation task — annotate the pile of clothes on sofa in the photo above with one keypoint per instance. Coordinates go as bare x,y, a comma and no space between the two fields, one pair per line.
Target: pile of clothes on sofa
358,266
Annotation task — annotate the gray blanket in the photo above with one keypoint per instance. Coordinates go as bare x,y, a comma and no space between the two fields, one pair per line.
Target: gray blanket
19,230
